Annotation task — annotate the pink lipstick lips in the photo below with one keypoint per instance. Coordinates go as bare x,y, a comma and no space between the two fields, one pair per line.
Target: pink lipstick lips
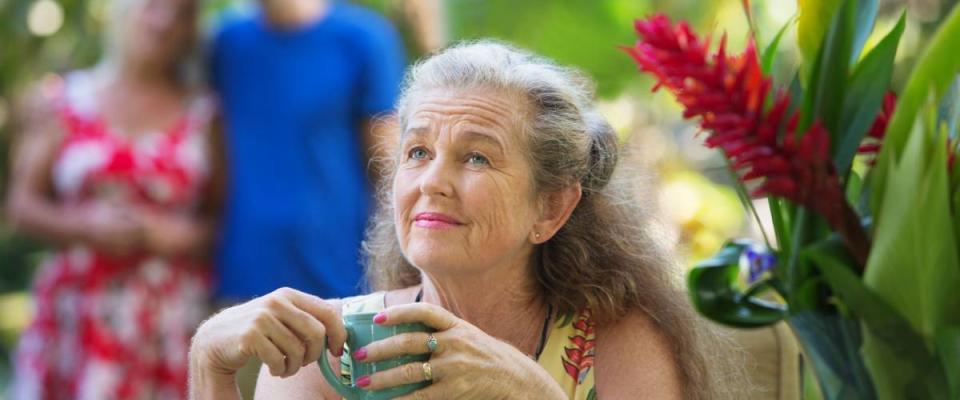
432,220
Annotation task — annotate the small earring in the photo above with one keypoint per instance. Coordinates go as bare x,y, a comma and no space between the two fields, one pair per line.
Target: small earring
537,235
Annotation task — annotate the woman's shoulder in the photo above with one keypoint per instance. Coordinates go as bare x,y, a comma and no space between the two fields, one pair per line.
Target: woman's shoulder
636,332
636,352
40,98
37,110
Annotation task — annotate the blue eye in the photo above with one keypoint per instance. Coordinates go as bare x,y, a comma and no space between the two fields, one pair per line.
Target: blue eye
417,153
477,158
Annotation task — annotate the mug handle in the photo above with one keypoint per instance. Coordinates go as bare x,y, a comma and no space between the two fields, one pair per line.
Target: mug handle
349,392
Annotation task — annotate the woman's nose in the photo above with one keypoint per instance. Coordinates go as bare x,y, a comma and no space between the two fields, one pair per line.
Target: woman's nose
436,179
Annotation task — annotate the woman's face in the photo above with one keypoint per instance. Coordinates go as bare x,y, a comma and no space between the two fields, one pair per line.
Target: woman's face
463,189
159,32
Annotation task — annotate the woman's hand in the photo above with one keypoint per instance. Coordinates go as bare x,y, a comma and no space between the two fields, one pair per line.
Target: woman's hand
113,229
466,364
285,329
173,235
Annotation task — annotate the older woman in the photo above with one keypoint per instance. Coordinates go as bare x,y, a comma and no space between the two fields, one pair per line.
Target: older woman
112,166
503,230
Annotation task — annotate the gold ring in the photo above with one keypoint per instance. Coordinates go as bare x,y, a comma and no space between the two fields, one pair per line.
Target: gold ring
427,372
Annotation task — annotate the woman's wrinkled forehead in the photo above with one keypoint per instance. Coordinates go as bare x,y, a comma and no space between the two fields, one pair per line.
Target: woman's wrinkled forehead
490,108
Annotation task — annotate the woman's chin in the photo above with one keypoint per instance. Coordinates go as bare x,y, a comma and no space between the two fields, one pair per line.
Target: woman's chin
436,262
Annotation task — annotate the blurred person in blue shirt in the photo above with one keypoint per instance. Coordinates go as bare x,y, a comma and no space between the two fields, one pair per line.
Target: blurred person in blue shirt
302,83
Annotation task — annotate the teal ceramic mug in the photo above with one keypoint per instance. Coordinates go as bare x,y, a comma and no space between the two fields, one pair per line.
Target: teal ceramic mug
361,331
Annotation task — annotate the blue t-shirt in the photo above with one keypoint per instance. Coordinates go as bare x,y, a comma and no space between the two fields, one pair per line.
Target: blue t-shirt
297,191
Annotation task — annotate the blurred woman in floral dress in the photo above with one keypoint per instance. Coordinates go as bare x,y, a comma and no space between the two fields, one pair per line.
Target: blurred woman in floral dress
115,167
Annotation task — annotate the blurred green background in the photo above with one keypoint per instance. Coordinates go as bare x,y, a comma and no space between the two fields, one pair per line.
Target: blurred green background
39,37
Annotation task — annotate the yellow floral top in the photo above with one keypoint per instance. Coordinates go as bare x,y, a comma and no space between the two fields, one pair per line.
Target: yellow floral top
567,354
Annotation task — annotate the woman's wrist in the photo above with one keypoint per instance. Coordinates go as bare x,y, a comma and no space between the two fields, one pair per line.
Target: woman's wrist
207,382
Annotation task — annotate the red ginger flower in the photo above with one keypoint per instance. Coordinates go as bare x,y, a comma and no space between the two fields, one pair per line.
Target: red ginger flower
878,130
728,94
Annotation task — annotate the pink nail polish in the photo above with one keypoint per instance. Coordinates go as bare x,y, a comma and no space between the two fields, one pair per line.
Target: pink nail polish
380,318
364,381
360,354
339,352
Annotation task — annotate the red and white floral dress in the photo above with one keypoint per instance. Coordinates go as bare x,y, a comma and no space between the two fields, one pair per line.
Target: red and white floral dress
108,327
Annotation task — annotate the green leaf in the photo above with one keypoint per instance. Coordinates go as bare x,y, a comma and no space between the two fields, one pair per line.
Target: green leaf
917,231
879,317
854,185
934,70
866,15
913,264
831,342
770,53
798,294
827,84
779,216
812,25
948,112
715,293
864,97
744,196
948,348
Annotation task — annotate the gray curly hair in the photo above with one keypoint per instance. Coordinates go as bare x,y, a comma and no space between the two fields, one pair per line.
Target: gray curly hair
604,258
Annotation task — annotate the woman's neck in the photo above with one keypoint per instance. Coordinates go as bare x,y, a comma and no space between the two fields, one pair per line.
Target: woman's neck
504,305
293,13
143,77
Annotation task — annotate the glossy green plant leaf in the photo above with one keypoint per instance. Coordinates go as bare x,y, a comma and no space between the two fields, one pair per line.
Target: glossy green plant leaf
854,187
948,347
770,52
831,342
866,16
715,291
812,24
864,96
779,215
883,322
935,70
914,264
823,99
948,113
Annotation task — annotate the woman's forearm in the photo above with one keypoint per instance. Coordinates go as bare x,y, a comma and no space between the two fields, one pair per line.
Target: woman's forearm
58,225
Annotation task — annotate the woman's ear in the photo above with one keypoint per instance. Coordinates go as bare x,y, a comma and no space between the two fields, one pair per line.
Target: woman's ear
555,209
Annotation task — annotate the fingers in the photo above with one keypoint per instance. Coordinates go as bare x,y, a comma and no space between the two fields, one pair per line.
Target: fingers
322,311
398,345
429,314
428,393
289,344
297,324
256,344
404,374
310,332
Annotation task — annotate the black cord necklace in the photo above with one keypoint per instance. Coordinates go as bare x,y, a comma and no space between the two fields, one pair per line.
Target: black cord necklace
543,330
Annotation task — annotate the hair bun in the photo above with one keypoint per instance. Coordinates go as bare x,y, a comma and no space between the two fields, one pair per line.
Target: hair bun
604,151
